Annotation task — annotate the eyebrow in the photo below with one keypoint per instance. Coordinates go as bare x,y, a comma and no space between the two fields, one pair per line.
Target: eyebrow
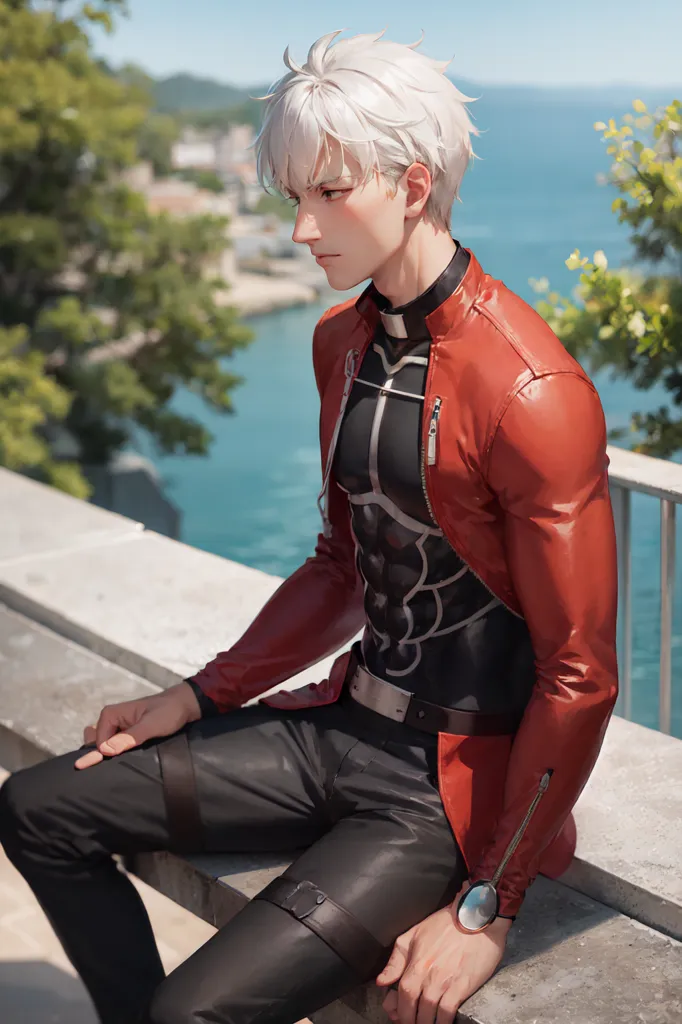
347,179
335,181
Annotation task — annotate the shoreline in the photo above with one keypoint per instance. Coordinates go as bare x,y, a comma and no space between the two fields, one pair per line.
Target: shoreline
257,294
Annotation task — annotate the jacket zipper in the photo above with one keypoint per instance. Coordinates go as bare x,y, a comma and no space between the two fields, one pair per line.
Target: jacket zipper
518,835
433,430
352,357
429,456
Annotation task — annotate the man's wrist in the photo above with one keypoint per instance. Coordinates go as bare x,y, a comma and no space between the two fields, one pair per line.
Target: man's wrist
205,706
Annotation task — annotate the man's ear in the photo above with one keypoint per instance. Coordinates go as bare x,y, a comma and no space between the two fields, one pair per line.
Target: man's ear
417,179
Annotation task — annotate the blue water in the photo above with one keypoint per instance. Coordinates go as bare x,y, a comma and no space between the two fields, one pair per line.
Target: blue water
527,204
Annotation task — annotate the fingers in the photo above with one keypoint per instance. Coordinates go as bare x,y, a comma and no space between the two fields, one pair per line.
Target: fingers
108,740
447,1008
118,744
397,960
390,1004
123,741
429,1001
111,719
409,991
87,760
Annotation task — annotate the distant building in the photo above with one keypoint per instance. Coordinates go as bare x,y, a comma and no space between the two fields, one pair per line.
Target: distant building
226,153
140,176
233,149
185,199
194,149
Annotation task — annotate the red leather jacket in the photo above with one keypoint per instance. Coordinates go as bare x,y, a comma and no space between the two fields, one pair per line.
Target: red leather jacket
515,473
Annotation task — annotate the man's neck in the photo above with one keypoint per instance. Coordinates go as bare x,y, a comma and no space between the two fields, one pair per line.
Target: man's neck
422,258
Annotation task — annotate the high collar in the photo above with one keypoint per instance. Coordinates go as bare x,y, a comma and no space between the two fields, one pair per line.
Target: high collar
433,313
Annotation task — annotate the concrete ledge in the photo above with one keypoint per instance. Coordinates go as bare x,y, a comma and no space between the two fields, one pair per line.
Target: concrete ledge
161,610
38,520
50,689
629,819
155,606
570,960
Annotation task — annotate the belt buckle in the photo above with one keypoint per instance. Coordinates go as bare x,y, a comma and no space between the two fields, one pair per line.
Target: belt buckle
303,899
385,698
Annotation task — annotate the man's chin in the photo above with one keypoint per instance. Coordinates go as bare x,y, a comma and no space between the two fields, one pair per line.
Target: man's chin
343,282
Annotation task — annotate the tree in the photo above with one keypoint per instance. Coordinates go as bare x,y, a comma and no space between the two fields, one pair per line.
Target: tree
201,178
158,131
626,319
273,202
105,309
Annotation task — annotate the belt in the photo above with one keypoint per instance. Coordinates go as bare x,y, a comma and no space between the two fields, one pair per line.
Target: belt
402,706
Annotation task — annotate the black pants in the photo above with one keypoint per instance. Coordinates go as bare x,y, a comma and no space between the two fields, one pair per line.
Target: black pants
357,790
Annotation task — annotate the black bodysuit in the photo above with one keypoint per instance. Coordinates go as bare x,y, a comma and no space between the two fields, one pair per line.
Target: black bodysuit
432,625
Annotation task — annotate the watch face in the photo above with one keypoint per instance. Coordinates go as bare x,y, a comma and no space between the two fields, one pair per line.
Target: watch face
478,907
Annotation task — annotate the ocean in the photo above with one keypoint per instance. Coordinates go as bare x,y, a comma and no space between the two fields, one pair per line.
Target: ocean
529,201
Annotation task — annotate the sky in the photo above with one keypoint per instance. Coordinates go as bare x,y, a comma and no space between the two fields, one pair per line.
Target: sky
534,42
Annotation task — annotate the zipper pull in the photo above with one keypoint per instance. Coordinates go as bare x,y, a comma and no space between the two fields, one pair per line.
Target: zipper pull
349,370
433,430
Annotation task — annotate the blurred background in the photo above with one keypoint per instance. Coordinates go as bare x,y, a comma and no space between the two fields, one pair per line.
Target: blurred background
156,318
155,360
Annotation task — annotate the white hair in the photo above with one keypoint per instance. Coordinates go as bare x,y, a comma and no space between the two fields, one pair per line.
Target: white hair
384,103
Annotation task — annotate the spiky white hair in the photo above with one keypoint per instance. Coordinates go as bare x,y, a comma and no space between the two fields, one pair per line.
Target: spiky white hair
387,105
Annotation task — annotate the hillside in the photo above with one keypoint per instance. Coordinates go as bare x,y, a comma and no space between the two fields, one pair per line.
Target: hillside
185,93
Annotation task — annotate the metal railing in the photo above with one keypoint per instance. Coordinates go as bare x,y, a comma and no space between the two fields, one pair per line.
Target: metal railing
628,472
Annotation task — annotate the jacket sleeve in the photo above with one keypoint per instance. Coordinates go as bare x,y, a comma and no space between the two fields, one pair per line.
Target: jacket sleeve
548,469
312,613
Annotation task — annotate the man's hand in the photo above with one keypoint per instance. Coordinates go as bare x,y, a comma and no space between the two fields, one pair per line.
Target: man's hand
438,966
126,725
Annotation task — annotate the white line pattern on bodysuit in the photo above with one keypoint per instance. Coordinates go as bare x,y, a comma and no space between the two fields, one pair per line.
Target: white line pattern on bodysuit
387,387
372,498
412,667
378,497
391,369
444,583
374,438
384,637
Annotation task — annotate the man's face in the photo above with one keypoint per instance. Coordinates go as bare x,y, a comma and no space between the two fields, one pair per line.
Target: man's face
361,226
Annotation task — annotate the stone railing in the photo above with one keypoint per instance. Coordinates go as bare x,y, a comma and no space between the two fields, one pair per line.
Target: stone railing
97,610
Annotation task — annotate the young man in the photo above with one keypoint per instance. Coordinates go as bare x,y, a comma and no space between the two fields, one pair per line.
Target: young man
467,528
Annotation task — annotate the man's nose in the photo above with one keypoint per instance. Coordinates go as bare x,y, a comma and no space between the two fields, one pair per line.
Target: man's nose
305,228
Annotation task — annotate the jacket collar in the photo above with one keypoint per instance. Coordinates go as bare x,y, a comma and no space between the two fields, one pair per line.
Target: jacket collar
436,311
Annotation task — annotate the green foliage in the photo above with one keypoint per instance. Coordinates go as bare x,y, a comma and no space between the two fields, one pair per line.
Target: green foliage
274,203
624,319
105,309
204,179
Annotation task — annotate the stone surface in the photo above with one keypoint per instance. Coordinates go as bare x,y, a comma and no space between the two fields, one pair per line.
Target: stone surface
574,961
50,689
569,959
214,888
38,520
162,609
629,820
153,605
